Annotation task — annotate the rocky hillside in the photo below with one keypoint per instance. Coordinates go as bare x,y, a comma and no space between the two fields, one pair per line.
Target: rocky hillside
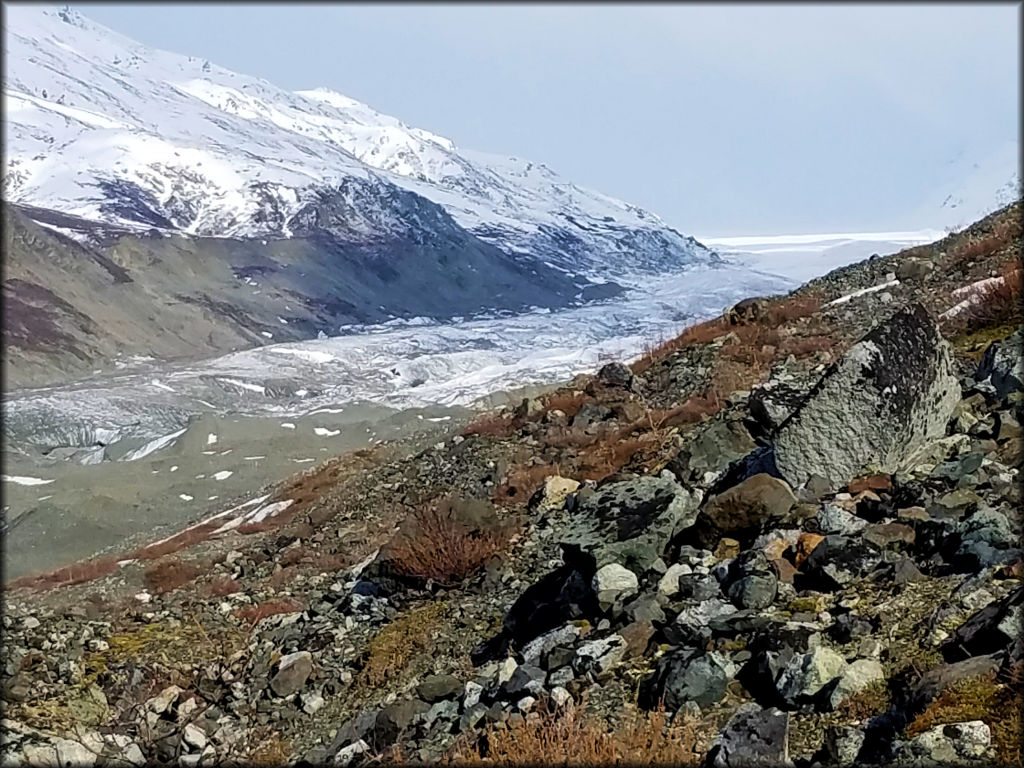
790,536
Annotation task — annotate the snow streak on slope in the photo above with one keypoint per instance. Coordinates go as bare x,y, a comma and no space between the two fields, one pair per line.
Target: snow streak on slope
104,128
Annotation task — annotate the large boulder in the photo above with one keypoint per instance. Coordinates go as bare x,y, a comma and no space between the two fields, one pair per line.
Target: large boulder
629,523
686,676
889,395
741,511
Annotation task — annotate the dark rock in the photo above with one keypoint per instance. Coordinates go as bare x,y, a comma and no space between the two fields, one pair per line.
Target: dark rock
684,676
712,449
396,719
615,375
751,581
996,627
438,687
754,737
891,393
526,680
1002,365
835,562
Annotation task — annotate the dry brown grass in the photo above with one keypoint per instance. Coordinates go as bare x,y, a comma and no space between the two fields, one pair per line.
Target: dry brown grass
443,548
995,305
568,403
251,614
390,650
980,698
1004,233
76,573
223,586
169,575
495,424
574,738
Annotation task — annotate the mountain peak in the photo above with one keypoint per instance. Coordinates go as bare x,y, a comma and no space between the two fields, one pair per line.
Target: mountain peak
208,147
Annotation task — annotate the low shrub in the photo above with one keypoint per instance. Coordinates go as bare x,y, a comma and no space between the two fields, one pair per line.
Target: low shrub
168,575
390,650
446,545
572,737
252,614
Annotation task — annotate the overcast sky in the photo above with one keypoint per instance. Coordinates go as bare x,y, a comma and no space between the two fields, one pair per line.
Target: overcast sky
724,120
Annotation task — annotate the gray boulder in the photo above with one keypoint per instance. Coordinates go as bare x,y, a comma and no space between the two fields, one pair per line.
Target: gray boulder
684,676
753,738
889,395
629,523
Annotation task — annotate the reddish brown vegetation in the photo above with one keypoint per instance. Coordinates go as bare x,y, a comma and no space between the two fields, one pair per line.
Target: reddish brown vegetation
521,483
575,738
222,586
169,575
1003,233
992,305
251,614
77,573
443,547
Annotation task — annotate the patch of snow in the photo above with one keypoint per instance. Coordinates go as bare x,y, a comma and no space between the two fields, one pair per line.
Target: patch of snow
24,480
862,292
224,474
324,432
185,497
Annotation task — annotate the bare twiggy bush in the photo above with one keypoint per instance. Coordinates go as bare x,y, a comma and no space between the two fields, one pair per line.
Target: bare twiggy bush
169,575
573,738
444,546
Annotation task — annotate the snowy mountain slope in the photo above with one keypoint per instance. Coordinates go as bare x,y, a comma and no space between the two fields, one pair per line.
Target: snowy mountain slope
104,128
977,183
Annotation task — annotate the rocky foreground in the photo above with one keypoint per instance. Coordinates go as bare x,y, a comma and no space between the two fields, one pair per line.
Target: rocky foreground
789,537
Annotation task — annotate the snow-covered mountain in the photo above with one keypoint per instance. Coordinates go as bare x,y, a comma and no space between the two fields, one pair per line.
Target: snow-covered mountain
976,183
103,128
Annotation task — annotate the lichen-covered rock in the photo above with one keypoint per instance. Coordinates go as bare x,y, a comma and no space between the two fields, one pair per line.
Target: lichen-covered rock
629,523
807,673
952,744
889,395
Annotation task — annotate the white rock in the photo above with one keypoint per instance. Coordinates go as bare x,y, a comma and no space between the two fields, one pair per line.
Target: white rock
346,755
472,696
163,700
526,703
668,585
71,753
614,580
560,697
312,702
505,670
194,737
